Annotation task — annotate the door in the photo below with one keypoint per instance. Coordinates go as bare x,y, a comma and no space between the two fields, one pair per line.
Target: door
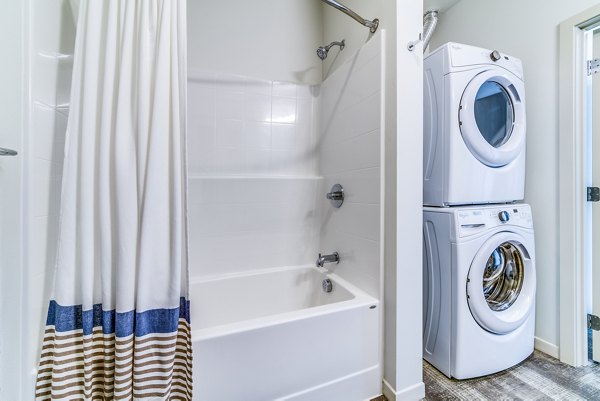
594,115
492,117
501,283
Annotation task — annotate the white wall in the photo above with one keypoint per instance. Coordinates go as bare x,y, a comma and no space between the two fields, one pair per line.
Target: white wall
338,26
37,44
405,283
269,39
528,30
251,135
350,153
52,34
252,174
13,84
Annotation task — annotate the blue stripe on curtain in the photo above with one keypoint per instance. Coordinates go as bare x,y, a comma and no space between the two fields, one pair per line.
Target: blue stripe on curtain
123,324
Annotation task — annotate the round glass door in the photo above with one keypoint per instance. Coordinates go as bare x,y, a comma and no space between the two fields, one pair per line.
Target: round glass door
503,277
492,117
501,283
494,113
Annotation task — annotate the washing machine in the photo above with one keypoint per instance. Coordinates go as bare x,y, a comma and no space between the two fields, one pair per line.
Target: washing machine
474,127
479,288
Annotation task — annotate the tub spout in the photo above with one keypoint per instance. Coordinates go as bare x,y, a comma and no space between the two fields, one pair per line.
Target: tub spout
333,258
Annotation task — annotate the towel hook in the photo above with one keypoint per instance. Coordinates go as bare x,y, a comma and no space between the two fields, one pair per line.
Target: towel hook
411,45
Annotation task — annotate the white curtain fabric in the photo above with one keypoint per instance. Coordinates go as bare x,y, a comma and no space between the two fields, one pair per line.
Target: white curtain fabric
118,322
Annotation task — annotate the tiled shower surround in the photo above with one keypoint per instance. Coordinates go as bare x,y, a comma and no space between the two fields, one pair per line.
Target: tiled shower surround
240,126
262,155
252,169
350,153
52,42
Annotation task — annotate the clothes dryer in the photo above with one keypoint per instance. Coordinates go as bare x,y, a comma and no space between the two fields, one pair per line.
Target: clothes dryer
474,127
479,280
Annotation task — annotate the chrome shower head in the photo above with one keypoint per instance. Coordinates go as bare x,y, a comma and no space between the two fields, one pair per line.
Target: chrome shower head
323,50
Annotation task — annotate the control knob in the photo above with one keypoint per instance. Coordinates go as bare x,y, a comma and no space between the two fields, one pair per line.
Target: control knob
495,55
504,216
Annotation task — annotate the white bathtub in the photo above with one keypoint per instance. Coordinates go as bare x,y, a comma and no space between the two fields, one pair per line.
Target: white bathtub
276,335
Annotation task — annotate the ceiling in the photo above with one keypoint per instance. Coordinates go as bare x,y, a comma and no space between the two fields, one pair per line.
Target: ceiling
440,5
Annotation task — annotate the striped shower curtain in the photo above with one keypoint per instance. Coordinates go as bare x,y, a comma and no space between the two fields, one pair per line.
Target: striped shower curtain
118,324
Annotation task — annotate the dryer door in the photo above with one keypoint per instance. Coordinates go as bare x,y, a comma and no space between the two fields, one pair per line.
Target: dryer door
501,283
492,117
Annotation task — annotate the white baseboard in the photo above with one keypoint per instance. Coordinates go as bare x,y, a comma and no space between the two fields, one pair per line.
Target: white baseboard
546,347
388,391
411,393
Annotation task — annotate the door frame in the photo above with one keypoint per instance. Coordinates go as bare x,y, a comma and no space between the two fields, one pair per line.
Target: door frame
573,181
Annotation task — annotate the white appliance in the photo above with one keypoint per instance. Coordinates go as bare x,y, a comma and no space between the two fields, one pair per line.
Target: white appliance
479,288
474,127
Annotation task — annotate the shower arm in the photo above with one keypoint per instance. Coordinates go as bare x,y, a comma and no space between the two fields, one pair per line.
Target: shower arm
372,25
341,44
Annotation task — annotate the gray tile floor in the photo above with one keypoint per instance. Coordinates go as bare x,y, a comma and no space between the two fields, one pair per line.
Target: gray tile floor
539,377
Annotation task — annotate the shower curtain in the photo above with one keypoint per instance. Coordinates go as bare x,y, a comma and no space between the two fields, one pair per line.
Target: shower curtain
118,324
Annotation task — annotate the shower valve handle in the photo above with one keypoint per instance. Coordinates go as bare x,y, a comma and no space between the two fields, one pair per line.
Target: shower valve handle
337,195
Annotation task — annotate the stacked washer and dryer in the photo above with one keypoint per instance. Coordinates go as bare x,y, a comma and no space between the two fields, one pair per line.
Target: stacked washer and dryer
478,255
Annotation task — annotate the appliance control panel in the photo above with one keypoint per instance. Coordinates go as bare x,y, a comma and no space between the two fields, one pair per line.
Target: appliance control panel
472,220
465,55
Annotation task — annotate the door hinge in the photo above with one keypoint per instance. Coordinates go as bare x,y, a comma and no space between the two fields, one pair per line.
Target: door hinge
593,322
593,194
593,66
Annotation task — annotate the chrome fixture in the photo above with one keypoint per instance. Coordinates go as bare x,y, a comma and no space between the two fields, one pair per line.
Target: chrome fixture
333,258
323,50
336,196
327,285
372,25
430,20
7,152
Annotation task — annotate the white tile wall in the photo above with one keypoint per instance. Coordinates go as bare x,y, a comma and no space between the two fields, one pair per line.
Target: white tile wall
349,151
12,133
256,196
256,152
242,126
51,57
252,168
51,79
240,224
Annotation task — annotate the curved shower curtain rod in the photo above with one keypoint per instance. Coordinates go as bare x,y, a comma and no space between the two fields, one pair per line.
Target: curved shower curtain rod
372,25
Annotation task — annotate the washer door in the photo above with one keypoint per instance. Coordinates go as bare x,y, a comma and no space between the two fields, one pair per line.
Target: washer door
492,117
501,283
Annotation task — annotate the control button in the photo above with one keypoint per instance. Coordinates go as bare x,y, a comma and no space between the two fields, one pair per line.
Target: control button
495,55
504,216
